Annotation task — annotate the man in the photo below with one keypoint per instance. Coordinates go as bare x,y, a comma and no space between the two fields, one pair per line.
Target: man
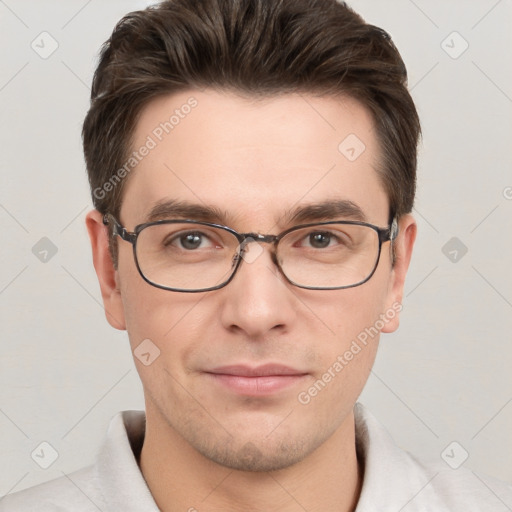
252,165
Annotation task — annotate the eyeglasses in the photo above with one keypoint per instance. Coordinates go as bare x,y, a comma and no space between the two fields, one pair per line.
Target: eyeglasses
193,256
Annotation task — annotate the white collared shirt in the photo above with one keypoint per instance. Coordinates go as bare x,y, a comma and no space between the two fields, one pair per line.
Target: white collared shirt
394,481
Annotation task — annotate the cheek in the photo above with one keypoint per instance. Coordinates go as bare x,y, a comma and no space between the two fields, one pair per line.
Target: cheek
347,313
173,322
345,355
352,320
328,397
150,311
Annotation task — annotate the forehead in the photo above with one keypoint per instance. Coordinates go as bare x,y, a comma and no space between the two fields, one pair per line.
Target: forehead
253,159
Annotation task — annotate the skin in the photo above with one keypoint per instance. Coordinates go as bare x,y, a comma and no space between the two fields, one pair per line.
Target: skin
206,447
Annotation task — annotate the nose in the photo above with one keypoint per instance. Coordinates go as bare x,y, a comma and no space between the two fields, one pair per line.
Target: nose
258,300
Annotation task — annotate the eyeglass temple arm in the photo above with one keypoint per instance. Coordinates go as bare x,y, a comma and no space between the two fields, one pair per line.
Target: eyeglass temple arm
117,229
394,229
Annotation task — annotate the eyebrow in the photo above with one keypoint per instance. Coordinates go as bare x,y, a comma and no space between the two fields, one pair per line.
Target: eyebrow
334,209
171,208
338,209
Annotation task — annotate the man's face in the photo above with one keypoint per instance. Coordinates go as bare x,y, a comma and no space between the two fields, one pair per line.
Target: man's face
255,161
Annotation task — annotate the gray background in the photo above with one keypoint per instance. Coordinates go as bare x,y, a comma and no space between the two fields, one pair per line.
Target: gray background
443,377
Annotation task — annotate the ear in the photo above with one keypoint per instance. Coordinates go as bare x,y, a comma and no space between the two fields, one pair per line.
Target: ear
107,274
403,250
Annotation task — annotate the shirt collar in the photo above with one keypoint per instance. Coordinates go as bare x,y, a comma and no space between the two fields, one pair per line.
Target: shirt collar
393,479
391,475
121,480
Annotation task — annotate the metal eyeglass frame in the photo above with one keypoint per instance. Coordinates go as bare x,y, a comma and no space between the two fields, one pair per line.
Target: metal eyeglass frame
385,234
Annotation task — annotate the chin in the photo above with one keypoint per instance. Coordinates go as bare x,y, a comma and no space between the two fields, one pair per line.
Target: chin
253,456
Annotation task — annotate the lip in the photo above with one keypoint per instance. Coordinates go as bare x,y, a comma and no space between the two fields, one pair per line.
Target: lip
261,380
265,370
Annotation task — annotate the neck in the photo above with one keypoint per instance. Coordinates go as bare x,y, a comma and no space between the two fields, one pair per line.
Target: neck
180,478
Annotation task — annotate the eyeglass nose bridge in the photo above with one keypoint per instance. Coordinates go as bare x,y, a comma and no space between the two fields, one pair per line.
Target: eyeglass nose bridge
246,238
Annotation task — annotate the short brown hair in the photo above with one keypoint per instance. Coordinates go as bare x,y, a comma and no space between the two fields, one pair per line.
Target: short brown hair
256,47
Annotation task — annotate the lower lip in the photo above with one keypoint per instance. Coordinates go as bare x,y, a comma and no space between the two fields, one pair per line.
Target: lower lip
256,386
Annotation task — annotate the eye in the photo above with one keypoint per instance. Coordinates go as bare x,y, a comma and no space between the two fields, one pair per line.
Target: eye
320,240
189,241
324,239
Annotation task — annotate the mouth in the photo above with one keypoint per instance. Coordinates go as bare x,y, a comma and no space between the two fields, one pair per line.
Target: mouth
262,380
